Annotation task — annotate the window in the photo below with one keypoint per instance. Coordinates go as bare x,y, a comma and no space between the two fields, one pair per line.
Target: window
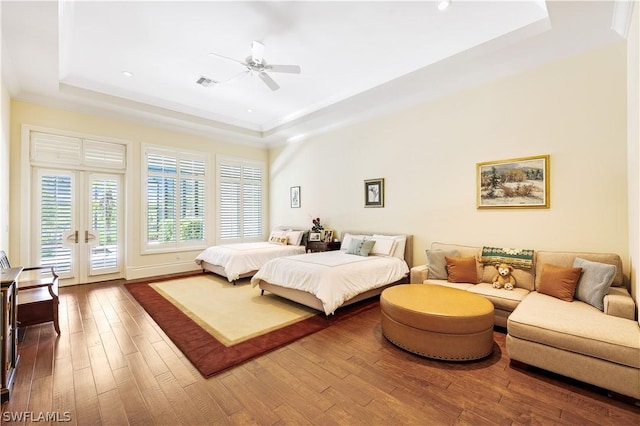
175,194
240,200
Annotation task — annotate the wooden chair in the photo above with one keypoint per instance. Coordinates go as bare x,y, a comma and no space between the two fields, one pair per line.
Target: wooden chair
37,294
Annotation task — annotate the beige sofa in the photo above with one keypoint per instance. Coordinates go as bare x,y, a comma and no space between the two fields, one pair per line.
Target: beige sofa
574,339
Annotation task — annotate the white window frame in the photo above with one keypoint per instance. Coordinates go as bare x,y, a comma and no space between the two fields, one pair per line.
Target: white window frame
222,160
177,246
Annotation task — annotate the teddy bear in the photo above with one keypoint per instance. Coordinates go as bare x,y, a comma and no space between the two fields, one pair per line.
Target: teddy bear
504,278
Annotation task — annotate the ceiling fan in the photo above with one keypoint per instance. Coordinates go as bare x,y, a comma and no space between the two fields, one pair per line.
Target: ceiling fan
256,65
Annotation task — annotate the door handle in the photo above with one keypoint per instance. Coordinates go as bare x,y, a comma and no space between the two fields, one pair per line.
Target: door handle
76,234
89,236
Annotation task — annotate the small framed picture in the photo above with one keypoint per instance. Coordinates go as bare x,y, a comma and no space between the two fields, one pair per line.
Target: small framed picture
328,235
294,194
374,192
315,236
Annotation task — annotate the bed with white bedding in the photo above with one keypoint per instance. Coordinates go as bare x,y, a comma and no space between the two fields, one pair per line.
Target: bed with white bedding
328,280
235,261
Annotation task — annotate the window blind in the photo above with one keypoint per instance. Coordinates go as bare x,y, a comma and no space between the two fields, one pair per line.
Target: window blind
176,198
240,204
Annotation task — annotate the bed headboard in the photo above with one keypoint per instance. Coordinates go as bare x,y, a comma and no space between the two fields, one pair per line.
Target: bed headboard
408,248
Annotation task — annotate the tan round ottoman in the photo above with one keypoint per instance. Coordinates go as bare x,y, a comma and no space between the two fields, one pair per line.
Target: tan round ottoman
437,322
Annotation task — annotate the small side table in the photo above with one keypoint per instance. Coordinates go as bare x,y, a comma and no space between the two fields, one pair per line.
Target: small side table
318,246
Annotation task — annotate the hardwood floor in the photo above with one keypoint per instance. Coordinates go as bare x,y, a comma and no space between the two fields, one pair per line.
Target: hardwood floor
113,365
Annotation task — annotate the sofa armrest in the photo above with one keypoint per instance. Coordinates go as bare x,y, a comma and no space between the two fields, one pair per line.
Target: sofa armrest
419,274
619,303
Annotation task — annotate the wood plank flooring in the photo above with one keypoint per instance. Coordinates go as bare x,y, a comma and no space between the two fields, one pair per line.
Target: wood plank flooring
112,365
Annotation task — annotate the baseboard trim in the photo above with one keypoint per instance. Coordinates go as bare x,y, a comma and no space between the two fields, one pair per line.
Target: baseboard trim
134,273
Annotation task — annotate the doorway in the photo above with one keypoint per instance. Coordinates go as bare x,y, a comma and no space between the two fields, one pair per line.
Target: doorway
77,224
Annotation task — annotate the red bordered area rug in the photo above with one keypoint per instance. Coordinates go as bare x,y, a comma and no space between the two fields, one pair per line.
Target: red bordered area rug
208,354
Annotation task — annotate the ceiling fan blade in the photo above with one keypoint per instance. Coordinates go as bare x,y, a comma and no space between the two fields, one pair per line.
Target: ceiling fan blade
257,51
268,81
292,69
228,58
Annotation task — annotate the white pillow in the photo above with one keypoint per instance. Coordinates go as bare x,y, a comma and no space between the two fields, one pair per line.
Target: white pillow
346,239
400,243
277,234
383,246
295,237
278,237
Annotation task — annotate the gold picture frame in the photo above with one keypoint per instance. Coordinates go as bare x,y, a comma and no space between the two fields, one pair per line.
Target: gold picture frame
514,183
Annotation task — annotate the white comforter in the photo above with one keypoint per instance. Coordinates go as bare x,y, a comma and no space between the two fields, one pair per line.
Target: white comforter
332,276
241,258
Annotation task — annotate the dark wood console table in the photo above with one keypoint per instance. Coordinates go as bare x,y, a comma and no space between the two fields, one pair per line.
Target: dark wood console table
8,330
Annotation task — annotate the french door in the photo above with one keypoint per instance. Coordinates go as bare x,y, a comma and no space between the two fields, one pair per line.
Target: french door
77,224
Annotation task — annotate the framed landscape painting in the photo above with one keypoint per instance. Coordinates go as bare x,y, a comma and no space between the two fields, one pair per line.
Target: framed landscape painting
515,183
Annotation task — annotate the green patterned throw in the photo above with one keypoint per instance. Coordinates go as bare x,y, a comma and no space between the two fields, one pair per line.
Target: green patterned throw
518,258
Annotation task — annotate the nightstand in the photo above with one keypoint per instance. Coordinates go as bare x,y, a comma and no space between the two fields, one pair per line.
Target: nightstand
318,246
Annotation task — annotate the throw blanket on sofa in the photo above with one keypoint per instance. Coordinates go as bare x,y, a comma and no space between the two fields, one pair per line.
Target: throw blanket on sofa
518,258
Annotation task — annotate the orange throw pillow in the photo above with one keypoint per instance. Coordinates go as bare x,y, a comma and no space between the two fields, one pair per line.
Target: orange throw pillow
559,282
461,270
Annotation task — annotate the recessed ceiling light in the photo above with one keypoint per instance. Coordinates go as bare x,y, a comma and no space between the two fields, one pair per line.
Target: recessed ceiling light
249,110
127,74
444,4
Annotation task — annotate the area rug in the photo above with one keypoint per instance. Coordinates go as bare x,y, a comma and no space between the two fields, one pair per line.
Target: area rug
218,325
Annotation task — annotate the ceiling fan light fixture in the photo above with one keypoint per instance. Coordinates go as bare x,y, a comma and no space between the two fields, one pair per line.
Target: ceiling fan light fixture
444,5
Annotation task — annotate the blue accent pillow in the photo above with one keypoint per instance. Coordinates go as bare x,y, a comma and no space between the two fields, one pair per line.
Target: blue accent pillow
360,247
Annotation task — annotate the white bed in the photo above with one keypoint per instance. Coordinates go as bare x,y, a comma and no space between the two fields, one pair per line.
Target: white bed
242,260
328,280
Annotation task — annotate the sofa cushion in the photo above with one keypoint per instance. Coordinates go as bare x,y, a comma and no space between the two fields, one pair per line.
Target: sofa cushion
437,264
576,327
445,283
463,251
594,282
506,300
566,260
462,270
559,282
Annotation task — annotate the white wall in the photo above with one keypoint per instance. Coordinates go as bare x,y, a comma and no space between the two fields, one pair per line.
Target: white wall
574,110
633,126
137,265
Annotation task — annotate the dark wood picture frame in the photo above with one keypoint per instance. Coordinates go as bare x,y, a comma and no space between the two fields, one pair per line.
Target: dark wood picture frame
374,192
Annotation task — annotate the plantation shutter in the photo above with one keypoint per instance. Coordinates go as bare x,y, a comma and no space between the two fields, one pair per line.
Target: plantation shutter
161,198
252,202
47,148
104,155
56,205
71,151
192,199
176,199
240,204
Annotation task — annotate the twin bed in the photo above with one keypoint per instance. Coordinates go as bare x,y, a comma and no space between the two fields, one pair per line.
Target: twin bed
328,280
235,261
